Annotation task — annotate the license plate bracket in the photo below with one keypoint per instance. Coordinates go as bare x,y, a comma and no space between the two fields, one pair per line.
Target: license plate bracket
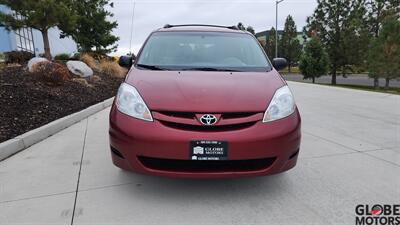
208,150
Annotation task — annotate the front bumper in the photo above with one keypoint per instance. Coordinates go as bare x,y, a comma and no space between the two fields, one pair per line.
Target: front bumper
155,149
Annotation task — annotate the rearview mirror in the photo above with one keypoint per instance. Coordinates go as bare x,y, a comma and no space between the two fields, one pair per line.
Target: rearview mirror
125,61
279,63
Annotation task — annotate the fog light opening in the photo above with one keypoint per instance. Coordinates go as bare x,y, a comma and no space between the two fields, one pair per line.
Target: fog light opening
116,152
294,154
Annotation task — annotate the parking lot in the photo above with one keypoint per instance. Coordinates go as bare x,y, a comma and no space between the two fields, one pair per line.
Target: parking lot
350,155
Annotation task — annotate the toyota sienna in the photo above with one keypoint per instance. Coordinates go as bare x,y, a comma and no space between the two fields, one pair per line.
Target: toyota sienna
204,101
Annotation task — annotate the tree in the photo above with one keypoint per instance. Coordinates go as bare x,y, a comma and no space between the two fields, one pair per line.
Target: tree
377,10
240,26
314,61
251,30
329,22
289,44
39,14
355,38
93,32
270,43
384,54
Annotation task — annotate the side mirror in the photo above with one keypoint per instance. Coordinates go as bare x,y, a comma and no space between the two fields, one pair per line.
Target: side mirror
279,63
125,61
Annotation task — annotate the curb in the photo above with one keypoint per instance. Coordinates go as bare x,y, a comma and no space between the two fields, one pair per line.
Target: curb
19,143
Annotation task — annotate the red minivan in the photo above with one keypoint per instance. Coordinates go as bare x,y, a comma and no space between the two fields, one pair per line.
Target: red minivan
204,101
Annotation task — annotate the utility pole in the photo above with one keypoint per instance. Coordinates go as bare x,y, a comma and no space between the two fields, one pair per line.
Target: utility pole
276,27
133,16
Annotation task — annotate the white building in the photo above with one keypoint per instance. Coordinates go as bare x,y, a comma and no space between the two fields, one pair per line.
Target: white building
31,40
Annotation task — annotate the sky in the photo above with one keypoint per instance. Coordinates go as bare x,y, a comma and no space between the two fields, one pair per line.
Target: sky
153,14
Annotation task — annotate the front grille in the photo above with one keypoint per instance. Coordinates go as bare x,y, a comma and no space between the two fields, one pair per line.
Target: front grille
189,127
206,166
236,115
186,115
190,120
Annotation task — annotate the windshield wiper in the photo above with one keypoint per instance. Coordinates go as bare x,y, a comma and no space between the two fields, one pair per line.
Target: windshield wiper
150,67
211,69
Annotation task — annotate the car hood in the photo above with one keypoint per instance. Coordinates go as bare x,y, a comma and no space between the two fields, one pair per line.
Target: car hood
205,91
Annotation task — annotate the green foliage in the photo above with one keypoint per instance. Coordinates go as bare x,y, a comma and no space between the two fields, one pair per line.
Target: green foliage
314,61
355,38
240,26
19,57
251,30
376,12
349,29
384,53
289,44
270,43
93,31
331,22
39,14
2,57
63,56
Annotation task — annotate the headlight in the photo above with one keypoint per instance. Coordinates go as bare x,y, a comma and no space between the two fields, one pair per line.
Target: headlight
281,105
130,103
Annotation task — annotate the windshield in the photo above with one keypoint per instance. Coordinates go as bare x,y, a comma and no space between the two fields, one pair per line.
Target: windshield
203,51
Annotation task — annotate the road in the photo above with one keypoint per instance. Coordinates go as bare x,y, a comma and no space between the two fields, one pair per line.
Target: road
358,79
350,155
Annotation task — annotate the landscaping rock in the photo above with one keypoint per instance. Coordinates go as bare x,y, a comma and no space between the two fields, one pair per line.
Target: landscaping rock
34,61
79,68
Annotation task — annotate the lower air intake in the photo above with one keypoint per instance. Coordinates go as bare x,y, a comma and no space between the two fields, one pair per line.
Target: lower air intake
206,166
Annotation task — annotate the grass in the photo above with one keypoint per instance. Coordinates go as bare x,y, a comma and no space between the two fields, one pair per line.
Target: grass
292,70
112,68
90,61
391,90
63,56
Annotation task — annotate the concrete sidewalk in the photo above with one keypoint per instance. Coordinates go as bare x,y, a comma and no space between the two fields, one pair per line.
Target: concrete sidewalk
350,155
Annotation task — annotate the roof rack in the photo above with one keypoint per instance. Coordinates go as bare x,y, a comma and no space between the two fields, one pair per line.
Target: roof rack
199,25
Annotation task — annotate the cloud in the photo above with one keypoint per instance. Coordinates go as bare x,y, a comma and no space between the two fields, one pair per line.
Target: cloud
152,14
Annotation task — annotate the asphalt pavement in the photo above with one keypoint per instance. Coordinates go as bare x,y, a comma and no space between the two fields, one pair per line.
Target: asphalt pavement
350,155
352,79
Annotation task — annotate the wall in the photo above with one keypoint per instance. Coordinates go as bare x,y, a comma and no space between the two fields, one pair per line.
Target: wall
57,45
7,39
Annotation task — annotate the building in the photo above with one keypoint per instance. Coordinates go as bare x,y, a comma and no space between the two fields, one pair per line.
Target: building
31,40
263,35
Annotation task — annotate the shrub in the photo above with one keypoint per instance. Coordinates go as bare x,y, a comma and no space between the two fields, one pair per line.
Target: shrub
314,61
82,81
112,68
54,73
94,79
63,56
20,57
90,61
37,67
2,57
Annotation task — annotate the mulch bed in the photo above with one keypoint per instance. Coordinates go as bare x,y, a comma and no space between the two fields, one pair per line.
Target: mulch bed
27,103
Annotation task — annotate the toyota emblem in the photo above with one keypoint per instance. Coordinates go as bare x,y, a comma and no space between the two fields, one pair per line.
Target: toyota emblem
208,119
